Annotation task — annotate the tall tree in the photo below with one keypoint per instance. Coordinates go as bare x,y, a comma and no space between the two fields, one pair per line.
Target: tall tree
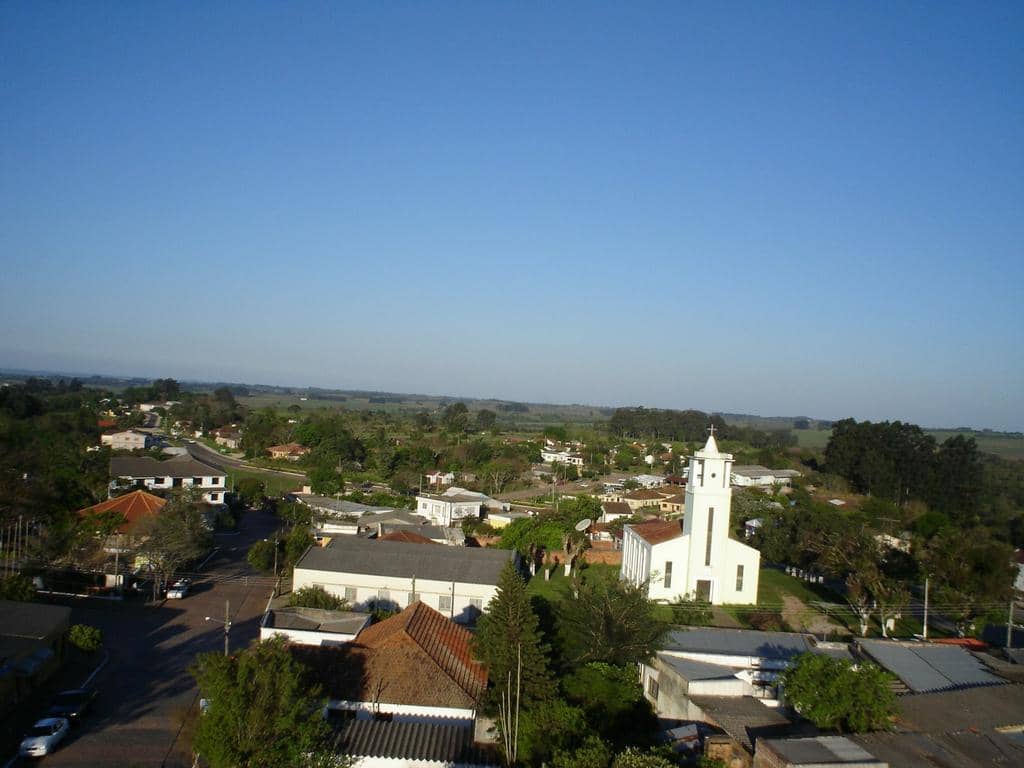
263,711
835,694
175,535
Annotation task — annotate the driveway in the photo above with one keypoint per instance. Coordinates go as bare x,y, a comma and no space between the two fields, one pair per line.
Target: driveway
145,691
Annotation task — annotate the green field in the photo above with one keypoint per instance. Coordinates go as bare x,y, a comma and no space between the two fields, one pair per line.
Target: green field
275,485
1004,445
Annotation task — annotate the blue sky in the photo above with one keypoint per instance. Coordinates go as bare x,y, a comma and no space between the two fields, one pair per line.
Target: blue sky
797,208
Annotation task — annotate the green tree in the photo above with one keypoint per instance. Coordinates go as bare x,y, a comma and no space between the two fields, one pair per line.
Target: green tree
261,555
251,490
455,417
315,596
636,758
17,587
688,610
296,543
263,712
548,728
593,753
85,638
485,420
326,480
834,694
610,621
174,536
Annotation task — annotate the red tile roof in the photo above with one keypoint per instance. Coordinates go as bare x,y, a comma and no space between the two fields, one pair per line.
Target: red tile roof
134,507
657,531
409,537
643,494
418,657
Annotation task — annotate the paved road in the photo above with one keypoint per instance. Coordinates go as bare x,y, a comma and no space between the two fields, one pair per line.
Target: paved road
146,691
219,460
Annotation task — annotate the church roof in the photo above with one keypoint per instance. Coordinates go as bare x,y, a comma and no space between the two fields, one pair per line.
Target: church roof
658,531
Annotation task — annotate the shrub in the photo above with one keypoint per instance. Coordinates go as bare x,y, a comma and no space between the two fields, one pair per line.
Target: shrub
767,621
261,556
17,587
317,597
85,637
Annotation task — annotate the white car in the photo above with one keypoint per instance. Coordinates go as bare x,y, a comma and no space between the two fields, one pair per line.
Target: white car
44,736
178,589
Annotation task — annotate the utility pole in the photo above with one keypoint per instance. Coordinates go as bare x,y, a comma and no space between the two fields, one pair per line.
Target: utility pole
1009,626
925,629
227,626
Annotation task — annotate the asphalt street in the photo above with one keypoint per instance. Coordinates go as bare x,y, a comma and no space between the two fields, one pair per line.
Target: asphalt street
146,694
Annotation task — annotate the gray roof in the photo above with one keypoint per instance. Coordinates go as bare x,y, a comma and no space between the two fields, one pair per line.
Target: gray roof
926,667
447,744
433,532
354,554
746,719
145,466
738,642
32,621
756,470
339,506
392,517
689,669
820,750
316,619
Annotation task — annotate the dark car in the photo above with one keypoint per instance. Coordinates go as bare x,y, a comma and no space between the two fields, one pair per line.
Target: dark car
71,704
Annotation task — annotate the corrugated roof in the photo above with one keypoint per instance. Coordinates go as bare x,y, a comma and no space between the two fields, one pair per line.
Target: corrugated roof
317,619
738,642
926,667
821,750
133,507
689,669
146,466
353,554
435,742
745,718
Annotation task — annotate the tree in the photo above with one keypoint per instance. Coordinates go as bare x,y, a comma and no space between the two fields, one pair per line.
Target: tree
509,632
17,587
610,621
834,694
85,638
299,539
263,711
455,417
635,758
485,420
251,490
315,596
688,610
326,480
175,535
261,555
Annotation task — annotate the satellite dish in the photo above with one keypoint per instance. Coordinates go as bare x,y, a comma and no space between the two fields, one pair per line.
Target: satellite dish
583,524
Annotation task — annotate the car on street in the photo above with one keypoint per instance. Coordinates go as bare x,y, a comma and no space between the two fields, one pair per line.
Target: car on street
71,704
44,736
178,589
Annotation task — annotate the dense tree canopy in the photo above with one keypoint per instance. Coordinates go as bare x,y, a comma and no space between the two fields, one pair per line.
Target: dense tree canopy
836,694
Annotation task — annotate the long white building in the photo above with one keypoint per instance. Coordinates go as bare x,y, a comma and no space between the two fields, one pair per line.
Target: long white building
696,557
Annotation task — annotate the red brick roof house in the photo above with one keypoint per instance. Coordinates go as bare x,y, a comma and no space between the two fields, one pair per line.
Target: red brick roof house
289,451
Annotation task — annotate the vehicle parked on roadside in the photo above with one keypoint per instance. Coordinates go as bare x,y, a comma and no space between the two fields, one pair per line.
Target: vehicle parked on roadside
71,704
178,589
43,737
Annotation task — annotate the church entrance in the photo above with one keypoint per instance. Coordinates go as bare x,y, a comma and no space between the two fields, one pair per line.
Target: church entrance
704,591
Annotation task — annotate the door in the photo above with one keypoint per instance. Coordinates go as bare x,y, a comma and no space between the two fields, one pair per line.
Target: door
704,591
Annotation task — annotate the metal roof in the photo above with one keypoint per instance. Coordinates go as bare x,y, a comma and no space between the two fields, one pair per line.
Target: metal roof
33,621
689,669
925,667
339,506
738,642
146,466
354,554
819,750
316,619
435,742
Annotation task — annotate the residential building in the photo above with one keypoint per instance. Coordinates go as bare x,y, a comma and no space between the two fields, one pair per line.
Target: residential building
613,510
754,475
229,437
176,473
649,481
501,518
928,667
641,498
460,582
456,504
435,534
312,626
439,479
813,752
288,451
698,557
127,440
130,510
402,744
673,506
561,456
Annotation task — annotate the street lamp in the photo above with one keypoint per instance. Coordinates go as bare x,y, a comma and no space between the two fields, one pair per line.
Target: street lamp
226,622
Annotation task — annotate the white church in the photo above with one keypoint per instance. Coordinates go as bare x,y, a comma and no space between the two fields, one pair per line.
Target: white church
696,558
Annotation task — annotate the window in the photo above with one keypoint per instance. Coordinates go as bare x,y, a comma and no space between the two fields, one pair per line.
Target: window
197,481
176,482
444,604
383,594
668,575
423,505
214,481
652,688
739,578
711,525
214,497
350,595
476,602
413,597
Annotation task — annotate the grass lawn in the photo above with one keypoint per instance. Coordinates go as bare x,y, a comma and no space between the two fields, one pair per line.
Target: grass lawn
559,588
774,584
275,485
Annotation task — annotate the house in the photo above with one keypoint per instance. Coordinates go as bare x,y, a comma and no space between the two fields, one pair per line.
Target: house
696,557
128,512
649,481
176,473
678,480
671,506
460,582
422,533
928,667
613,510
312,626
754,475
31,648
417,666
813,752
501,518
288,451
439,479
127,440
643,497
456,504
229,437
399,744
551,455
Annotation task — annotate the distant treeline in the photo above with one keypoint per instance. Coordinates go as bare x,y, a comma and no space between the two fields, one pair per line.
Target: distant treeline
691,426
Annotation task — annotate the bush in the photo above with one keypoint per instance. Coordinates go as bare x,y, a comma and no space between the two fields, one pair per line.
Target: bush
261,556
766,621
317,597
85,638
17,587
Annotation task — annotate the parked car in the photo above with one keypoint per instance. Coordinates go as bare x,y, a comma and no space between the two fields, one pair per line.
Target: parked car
178,589
71,704
44,736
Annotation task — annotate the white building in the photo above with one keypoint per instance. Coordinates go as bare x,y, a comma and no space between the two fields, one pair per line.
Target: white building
313,626
127,440
696,558
649,481
173,474
754,475
560,456
455,504
459,582
439,479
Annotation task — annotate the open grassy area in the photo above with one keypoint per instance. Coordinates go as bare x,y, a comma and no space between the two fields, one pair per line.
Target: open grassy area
1006,446
275,485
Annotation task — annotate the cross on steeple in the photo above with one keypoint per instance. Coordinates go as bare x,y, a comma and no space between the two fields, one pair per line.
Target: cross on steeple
711,429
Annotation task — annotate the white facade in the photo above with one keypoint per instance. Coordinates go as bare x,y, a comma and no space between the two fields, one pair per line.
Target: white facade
455,504
129,440
761,477
459,601
212,486
551,456
649,481
702,561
